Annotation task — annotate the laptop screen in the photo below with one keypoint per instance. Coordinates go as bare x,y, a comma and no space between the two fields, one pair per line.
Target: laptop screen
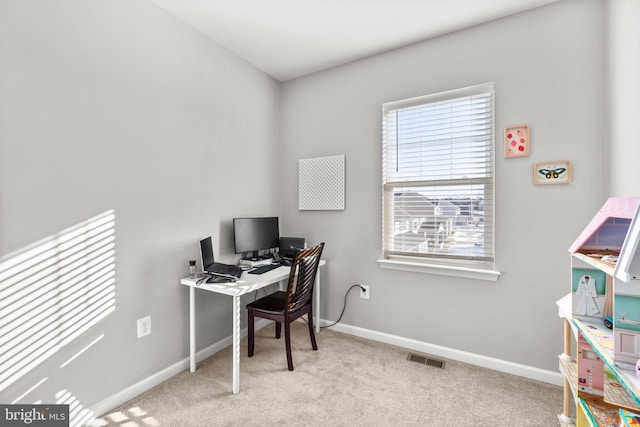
206,253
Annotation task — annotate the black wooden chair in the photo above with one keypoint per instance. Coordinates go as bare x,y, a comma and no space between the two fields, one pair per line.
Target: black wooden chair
285,307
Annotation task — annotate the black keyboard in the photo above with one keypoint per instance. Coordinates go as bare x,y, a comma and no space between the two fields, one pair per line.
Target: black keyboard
225,269
264,268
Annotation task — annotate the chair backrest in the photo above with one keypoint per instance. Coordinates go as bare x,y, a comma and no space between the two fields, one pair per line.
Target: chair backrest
302,277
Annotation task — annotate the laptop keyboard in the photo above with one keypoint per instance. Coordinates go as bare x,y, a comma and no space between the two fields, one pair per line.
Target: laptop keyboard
227,269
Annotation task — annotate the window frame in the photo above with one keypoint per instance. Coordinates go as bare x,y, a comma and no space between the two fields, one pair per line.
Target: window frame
477,267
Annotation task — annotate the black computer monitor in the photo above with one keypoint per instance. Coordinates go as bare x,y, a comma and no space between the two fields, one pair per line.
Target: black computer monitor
251,235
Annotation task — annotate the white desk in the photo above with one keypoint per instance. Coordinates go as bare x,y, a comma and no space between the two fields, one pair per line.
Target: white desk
246,284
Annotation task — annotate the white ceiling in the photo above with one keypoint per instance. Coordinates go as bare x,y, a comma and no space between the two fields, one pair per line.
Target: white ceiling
291,38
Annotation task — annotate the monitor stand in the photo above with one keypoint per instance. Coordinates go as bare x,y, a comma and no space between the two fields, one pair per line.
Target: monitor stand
252,256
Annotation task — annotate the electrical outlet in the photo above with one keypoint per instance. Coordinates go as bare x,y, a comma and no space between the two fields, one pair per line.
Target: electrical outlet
144,326
364,294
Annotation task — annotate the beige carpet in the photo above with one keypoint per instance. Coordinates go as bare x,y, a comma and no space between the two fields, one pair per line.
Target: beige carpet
349,381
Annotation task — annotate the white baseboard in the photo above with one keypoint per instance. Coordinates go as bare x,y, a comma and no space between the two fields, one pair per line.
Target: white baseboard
435,350
526,371
146,384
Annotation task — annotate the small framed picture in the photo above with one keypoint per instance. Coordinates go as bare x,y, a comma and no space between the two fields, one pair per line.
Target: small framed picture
552,172
516,141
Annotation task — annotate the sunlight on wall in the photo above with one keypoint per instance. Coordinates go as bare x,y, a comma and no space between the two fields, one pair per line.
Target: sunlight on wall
38,384
78,415
75,356
53,291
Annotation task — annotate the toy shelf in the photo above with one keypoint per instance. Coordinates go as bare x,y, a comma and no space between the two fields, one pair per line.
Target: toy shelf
597,412
601,340
594,259
605,289
623,388
594,410
569,369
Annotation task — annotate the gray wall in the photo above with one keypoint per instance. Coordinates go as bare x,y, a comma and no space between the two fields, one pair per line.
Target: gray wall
548,72
116,105
623,96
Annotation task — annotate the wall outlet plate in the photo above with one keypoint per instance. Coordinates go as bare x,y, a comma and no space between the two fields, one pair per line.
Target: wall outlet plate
364,294
144,326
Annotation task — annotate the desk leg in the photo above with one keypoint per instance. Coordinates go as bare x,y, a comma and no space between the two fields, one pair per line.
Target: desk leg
316,302
192,329
236,344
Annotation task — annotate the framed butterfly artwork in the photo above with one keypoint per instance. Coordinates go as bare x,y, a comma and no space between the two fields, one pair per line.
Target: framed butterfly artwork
516,141
552,172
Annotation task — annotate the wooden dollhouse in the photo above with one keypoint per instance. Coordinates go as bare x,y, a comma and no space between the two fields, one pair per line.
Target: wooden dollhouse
602,312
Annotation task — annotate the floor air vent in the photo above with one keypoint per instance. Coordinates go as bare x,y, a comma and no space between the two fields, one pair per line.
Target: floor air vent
426,360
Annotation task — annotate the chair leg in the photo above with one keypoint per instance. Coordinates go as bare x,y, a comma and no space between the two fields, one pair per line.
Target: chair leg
278,329
287,340
311,333
250,333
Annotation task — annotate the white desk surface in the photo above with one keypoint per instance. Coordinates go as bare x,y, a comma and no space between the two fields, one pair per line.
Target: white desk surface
245,284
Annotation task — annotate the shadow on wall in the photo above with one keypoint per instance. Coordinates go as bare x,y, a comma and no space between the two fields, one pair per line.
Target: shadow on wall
51,293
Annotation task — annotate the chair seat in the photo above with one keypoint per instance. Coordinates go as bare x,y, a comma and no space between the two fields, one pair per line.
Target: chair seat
274,303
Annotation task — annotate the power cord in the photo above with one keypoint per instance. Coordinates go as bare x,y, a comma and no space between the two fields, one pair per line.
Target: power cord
345,305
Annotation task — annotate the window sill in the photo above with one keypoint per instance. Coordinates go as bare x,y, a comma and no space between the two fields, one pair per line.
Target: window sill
445,270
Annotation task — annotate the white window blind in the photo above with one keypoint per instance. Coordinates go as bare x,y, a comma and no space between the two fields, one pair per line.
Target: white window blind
438,178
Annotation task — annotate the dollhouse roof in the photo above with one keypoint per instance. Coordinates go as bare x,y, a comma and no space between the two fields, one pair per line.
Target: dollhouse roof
619,211
615,207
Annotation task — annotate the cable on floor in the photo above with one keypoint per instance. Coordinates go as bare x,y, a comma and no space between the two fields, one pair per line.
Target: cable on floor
344,306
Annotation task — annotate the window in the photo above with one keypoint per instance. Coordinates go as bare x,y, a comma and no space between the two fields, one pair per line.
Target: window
438,179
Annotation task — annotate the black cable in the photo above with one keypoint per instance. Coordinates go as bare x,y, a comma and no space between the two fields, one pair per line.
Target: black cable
345,305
